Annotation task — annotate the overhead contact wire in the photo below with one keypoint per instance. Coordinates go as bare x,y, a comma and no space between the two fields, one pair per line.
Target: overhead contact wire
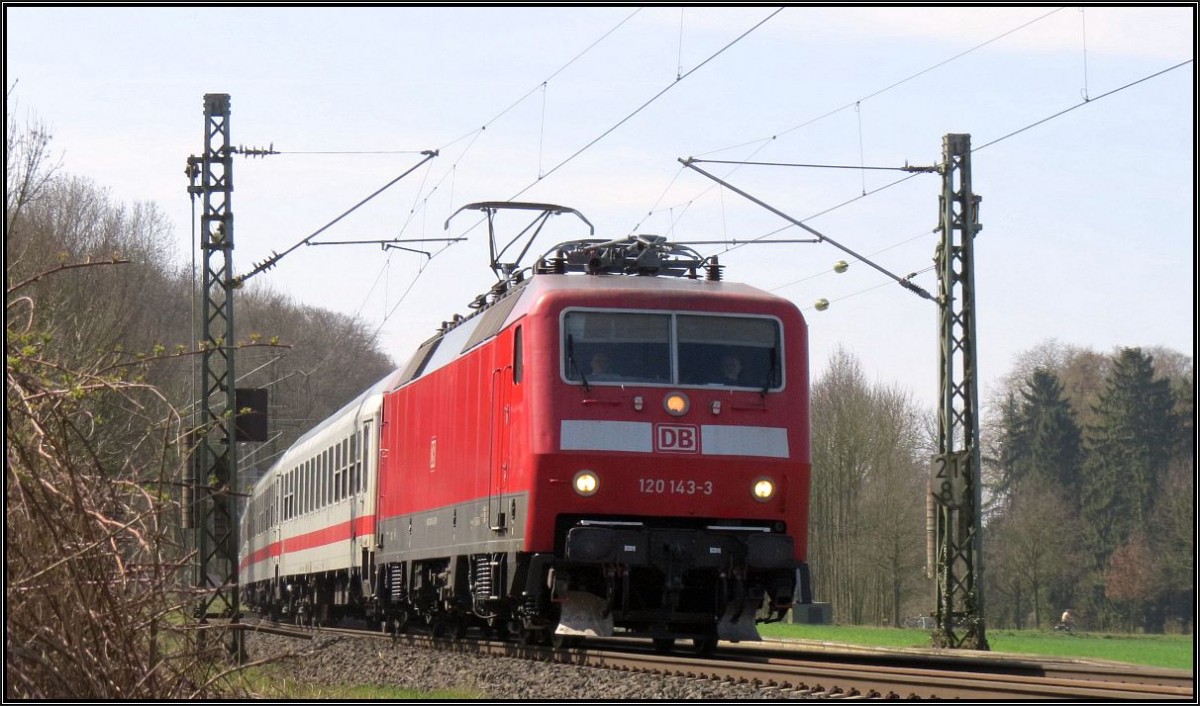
654,98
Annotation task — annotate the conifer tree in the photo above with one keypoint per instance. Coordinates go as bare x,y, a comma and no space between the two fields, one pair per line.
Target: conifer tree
1128,451
1055,451
1040,441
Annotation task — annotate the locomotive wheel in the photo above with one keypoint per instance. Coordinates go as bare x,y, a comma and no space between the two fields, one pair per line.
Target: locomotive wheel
397,624
528,636
704,646
564,642
499,629
663,645
458,628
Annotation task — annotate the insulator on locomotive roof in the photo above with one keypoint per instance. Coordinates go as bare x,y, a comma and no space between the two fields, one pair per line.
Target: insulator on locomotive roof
714,270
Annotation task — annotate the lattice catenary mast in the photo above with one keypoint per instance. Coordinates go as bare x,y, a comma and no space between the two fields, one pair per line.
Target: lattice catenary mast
956,483
214,469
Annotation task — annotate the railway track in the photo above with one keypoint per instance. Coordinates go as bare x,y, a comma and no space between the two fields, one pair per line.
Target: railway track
789,670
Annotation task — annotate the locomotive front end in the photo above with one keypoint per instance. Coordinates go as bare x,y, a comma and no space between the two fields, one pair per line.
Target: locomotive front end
678,467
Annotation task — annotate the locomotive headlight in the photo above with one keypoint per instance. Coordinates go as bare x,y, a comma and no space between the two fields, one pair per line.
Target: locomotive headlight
586,483
763,489
676,404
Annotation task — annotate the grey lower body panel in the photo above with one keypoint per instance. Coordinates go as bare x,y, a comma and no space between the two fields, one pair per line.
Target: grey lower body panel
475,527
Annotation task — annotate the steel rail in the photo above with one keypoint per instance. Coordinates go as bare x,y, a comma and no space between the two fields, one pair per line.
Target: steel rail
861,674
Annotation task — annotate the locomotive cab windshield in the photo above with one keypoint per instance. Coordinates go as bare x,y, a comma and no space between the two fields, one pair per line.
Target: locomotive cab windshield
672,349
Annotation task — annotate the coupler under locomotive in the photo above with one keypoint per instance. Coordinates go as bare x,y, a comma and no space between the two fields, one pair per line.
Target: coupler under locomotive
705,584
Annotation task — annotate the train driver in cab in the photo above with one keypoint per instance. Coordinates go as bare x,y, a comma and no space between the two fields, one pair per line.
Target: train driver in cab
730,370
601,367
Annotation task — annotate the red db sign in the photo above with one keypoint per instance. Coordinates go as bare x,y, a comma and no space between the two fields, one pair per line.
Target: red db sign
677,438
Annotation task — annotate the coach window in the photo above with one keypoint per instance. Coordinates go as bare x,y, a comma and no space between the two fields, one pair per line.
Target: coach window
339,462
330,477
318,487
334,472
349,477
325,486
366,449
326,474
308,484
605,347
312,487
354,465
330,486
351,469
331,473
339,473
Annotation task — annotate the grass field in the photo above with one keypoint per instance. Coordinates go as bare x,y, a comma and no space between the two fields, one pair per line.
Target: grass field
1169,651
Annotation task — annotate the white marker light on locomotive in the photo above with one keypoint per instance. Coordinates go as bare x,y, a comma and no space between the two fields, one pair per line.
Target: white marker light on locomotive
763,489
676,404
586,483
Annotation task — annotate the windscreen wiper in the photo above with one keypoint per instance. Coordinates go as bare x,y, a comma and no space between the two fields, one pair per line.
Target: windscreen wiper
771,372
573,364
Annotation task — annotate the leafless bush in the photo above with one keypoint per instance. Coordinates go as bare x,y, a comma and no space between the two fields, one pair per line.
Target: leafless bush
96,575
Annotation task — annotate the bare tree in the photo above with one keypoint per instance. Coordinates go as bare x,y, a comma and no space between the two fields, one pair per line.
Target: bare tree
27,151
892,505
867,502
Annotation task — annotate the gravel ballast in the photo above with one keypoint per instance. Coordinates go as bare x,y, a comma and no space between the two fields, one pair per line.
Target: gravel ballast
330,660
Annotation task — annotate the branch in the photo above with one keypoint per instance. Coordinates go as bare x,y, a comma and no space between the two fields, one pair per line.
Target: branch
61,268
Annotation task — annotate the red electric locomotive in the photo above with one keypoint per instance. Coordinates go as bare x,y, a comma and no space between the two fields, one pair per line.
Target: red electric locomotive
616,442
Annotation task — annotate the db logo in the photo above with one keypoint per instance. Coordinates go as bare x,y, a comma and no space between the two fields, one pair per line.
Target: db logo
677,438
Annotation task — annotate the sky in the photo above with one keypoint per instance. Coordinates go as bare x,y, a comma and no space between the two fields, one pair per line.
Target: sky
1082,124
